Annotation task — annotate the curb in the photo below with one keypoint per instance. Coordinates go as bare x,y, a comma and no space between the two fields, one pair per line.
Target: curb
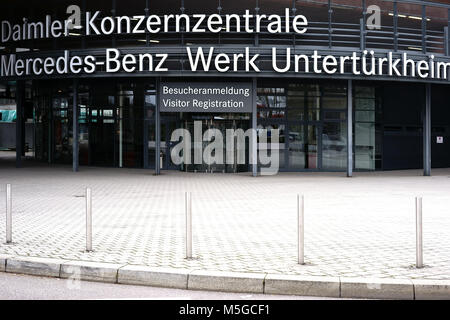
263,283
151,276
303,285
227,281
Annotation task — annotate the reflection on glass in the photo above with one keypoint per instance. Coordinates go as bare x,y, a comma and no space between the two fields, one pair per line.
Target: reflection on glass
365,146
334,145
311,147
296,107
302,147
271,114
334,103
313,104
296,89
62,131
235,159
365,128
271,101
296,147
280,145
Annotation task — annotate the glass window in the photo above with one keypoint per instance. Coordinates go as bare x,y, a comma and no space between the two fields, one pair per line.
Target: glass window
311,147
271,114
364,116
313,90
302,151
334,145
296,89
313,104
365,104
334,89
365,146
296,147
334,102
270,101
364,92
296,108
365,129
265,147
334,115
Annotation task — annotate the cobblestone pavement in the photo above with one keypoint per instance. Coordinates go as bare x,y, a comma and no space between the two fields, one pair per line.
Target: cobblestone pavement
361,226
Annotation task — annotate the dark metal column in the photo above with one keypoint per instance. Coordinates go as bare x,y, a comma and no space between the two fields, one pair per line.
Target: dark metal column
395,22
362,27
330,11
427,132
75,128
349,129
20,104
145,139
254,135
157,127
424,29
448,30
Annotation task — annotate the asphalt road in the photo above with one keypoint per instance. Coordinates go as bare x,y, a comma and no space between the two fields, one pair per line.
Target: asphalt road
13,286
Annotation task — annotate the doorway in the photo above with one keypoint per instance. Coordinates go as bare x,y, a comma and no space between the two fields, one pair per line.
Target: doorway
230,162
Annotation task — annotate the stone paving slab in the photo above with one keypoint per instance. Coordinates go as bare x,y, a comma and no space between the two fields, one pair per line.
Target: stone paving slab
354,227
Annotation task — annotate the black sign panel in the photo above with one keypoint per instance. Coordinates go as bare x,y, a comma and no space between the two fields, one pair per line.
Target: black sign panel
220,97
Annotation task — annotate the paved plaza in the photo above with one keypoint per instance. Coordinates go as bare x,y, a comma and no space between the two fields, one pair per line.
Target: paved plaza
354,227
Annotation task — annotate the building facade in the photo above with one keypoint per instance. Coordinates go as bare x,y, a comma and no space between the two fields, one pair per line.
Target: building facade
326,121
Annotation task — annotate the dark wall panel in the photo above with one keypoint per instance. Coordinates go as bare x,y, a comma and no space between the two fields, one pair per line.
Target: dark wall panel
402,152
402,141
403,103
440,119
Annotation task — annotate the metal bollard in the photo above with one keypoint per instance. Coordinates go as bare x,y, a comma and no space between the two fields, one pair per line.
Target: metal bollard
301,228
8,214
188,207
88,219
419,244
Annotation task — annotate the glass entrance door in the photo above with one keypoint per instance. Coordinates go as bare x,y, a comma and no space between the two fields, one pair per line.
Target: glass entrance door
208,165
101,137
168,125
317,132
303,146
